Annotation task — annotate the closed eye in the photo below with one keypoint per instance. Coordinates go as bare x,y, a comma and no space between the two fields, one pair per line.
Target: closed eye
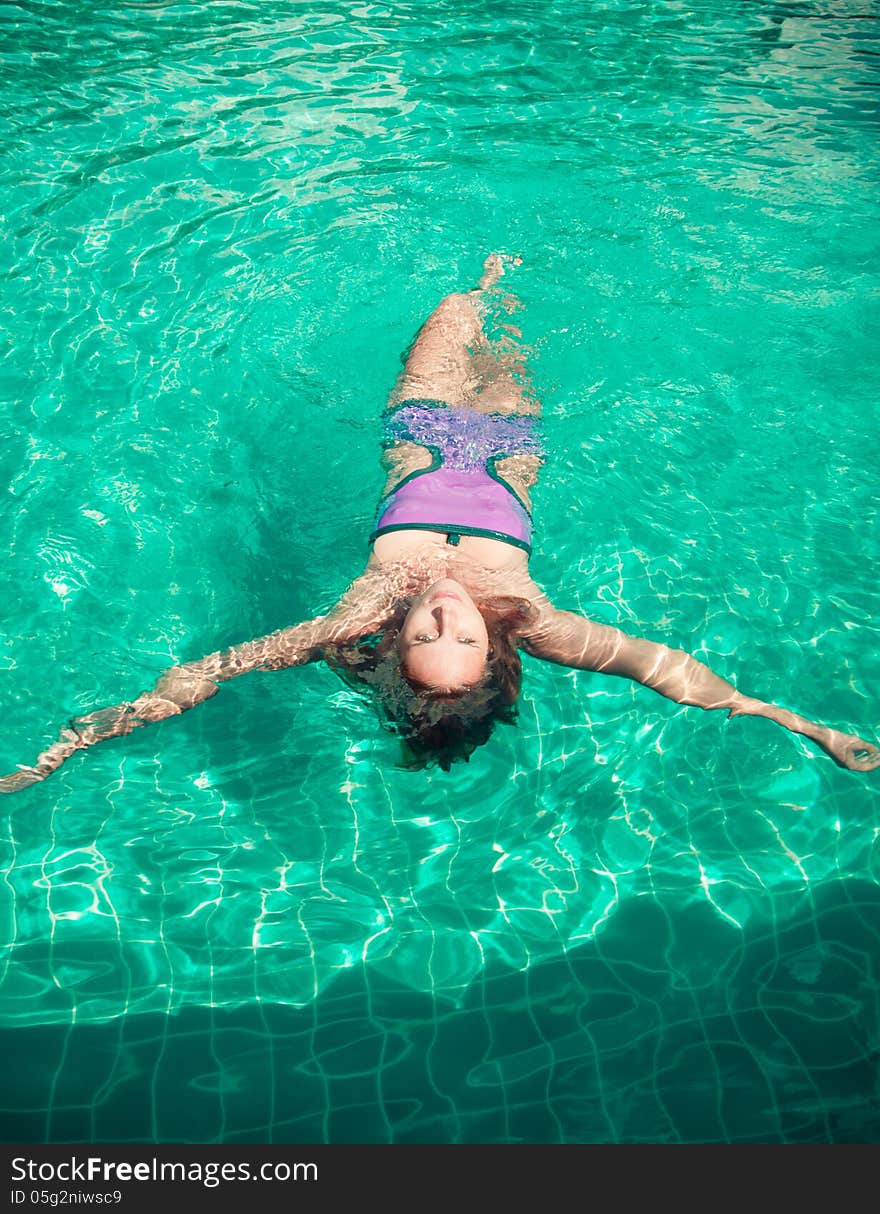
426,640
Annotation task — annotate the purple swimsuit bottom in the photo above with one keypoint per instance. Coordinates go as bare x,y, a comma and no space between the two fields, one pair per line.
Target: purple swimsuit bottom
460,493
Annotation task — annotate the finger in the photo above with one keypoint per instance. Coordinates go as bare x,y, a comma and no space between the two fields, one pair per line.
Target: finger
29,773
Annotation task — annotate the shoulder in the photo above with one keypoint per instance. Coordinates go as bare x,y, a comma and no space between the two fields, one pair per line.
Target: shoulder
569,639
541,610
364,606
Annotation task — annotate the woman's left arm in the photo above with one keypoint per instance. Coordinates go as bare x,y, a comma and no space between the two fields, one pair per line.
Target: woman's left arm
572,640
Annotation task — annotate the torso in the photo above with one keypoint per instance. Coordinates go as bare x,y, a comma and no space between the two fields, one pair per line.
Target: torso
401,460
407,562
404,563
471,551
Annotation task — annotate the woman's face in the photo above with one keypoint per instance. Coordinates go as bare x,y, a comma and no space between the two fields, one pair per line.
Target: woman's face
443,643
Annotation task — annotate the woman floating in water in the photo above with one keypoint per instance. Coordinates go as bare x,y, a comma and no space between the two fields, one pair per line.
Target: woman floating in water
436,621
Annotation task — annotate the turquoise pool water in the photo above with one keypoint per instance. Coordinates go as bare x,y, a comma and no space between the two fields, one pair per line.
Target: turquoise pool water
622,920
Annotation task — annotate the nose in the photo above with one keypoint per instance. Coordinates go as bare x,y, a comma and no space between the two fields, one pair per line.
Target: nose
442,613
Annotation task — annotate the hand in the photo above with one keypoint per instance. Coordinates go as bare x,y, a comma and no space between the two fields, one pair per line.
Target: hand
50,760
850,751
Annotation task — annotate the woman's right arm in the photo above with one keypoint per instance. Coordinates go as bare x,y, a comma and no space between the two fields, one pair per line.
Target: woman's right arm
178,689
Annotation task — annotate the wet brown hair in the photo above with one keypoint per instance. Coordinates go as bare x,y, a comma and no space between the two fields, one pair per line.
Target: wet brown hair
439,726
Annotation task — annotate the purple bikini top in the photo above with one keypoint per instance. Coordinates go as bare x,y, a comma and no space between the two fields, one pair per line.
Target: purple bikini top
457,502
461,493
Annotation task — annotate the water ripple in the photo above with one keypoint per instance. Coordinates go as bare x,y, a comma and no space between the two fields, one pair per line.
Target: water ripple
221,225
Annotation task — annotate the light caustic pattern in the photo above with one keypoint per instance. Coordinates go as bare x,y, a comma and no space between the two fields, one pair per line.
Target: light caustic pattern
220,229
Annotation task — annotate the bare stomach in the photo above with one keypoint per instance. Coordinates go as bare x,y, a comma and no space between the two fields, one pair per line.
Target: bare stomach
473,549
